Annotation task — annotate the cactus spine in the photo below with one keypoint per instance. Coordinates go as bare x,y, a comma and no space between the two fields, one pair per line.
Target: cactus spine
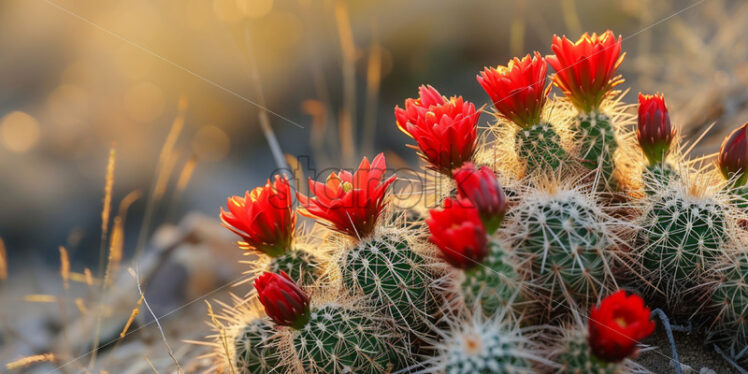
338,339
299,264
597,140
563,238
492,284
484,346
657,176
388,273
540,147
255,348
730,303
680,238
574,356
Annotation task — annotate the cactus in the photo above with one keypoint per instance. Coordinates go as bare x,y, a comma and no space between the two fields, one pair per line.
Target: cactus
657,176
563,239
729,301
484,346
492,284
540,147
299,264
391,275
339,339
254,348
594,134
680,238
739,197
574,356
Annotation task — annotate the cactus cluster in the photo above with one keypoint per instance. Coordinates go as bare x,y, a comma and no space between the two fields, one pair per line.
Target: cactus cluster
484,281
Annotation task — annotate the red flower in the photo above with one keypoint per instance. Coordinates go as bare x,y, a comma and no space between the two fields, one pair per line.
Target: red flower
518,90
733,155
285,303
585,70
351,204
482,188
459,233
264,218
417,108
654,131
446,132
617,325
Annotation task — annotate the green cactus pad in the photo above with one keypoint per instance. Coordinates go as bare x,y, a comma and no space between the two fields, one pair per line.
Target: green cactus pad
491,284
341,340
577,359
256,349
657,176
302,266
730,303
390,275
485,349
739,197
680,240
564,242
594,134
540,147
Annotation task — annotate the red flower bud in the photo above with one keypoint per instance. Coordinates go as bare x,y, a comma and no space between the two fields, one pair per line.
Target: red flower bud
617,325
459,233
264,218
446,131
654,131
350,203
518,90
285,303
482,188
585,70
733,156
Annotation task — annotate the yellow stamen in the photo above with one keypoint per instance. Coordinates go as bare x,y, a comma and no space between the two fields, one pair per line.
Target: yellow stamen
347,186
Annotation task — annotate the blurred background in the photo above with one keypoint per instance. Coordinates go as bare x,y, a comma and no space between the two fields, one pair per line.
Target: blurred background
80,77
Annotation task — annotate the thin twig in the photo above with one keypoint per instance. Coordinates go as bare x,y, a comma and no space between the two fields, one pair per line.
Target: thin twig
158,324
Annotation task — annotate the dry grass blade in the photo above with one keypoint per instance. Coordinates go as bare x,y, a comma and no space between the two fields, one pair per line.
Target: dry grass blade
222,335
105,213
3,261
64,267
39,298
133,314
29,360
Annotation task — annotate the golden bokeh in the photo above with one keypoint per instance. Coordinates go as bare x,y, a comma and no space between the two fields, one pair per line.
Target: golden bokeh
255,8
19,132
210,143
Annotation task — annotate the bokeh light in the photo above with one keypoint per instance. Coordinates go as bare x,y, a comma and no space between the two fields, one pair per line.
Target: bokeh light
19,132
210,143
